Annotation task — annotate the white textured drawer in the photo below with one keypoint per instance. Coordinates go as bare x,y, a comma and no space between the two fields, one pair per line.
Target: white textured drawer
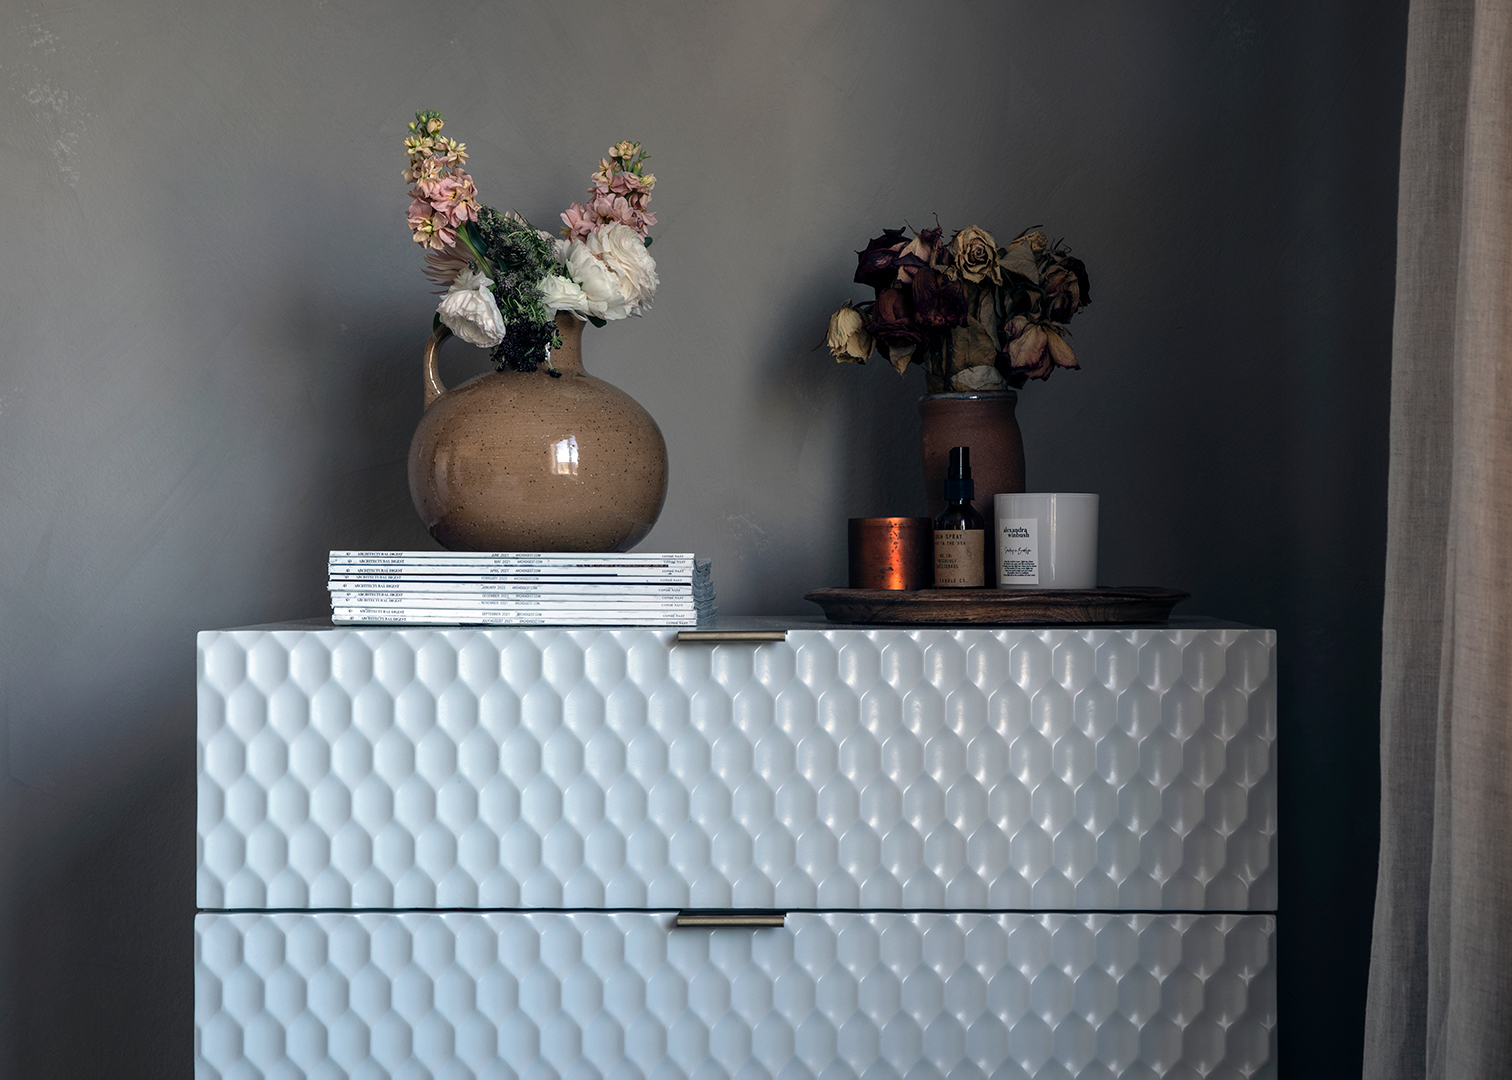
1061,769
612,995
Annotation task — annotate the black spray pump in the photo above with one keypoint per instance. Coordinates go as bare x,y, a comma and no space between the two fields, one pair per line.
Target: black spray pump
960,539
959,487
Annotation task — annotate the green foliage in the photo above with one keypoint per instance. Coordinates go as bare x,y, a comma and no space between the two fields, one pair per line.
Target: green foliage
520,258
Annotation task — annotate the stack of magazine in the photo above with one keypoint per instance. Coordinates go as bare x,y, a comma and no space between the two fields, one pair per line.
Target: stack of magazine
519,588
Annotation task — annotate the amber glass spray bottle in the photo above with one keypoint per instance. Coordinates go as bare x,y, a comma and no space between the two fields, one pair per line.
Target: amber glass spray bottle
960,532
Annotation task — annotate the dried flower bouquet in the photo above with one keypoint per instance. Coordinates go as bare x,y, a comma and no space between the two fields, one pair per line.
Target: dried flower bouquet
975,316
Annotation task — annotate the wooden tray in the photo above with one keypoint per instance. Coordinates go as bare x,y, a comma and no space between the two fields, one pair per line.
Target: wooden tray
997,607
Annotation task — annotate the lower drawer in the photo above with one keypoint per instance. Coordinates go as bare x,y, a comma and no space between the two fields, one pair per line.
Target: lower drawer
627,995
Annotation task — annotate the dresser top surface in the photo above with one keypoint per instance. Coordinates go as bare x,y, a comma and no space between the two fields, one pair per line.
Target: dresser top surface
737,623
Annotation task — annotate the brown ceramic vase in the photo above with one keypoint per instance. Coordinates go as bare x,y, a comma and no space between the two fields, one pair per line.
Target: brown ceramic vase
985,422
522,461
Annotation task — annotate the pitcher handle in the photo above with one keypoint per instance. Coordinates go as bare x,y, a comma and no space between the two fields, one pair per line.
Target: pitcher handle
434,387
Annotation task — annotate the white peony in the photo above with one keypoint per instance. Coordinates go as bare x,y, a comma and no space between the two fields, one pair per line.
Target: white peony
564,294
605,300
623,251
470,311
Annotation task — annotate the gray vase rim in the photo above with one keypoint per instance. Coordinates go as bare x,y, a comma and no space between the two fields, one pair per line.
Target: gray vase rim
968,395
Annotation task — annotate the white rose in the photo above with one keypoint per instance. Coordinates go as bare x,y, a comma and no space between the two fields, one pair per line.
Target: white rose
564,294
624,252
605,300
470,311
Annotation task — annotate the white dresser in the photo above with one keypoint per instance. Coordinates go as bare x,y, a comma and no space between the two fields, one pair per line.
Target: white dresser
462,852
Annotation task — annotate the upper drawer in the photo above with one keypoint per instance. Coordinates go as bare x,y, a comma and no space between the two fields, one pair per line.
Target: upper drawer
1063,769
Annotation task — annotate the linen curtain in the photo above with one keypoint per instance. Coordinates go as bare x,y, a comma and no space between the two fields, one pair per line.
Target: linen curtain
1440,999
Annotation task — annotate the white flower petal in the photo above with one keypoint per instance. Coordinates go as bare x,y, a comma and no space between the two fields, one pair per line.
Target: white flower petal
472,313
604,298
622,250
563,294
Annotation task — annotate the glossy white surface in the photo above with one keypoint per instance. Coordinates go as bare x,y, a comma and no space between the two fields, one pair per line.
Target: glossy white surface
839,995
1046,539
1123,769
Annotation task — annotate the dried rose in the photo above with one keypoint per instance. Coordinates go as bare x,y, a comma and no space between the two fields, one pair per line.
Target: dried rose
877,265
1063,290
1022,255
1029,348
926,249
848,341
938,301
892,319
925,244
1079,268
1035,350
1061,351
973,252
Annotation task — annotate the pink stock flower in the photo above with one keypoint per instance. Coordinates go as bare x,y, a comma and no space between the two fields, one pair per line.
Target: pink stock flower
433,232
443,195
629,184
453,197
580,222
583,221
619,195
440,204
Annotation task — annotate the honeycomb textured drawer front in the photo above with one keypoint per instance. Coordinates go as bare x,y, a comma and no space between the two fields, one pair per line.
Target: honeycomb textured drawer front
612,995
1061,769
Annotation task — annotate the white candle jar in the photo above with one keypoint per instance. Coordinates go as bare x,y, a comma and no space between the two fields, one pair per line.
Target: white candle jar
1046,540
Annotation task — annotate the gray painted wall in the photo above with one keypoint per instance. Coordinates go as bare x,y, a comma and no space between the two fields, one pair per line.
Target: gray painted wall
211,317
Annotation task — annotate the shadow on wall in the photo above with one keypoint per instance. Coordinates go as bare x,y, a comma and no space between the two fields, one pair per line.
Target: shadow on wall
101,888
97,860
852,445
358,379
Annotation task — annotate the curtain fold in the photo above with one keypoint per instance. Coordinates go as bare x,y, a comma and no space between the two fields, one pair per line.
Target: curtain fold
1440,998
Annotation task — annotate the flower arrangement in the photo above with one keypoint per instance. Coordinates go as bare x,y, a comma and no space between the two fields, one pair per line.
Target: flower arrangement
504,280
976,316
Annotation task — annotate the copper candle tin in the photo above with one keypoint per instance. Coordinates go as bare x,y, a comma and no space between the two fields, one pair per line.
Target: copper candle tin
891,553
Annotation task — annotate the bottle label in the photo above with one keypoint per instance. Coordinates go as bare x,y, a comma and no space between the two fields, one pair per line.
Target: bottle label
958,558
1018,551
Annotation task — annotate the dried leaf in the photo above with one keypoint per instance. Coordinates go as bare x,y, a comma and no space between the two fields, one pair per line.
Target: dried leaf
900,356
1061,351
1022,255
981,306
979,378
972,345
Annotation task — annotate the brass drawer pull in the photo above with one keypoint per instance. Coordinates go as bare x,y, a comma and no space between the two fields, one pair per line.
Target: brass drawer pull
750,920
714,637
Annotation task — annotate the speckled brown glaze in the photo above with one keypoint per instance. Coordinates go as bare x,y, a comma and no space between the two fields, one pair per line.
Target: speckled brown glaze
520,461
986,423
